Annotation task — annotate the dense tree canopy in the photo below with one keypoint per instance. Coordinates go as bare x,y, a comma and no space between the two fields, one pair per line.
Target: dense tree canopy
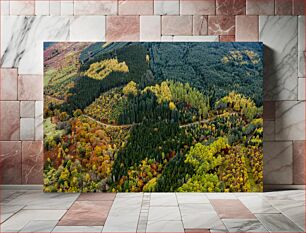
153,117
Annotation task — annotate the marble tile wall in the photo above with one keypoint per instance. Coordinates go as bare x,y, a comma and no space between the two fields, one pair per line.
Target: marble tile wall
25,24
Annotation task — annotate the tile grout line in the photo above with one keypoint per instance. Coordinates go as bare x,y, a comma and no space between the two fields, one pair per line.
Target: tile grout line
69,208
179,210
280,211
109,211
9,197
146,216
280,215
13,214
55,225
217,213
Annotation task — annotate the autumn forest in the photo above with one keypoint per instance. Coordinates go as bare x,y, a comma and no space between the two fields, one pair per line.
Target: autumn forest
153,117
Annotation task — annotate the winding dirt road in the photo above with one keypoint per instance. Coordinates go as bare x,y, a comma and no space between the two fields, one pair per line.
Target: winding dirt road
131,125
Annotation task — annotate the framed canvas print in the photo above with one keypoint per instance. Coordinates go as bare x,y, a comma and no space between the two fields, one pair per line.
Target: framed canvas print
153,117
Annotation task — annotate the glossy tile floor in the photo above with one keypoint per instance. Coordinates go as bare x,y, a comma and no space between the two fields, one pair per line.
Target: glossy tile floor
34,211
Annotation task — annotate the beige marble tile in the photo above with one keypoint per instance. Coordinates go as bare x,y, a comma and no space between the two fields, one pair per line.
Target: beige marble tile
39,120
294,210
278,223
38,125
9,120
212,196
299,162
97,197
95,7
74,229
8,87
301,88
30,87
205,218
8,210
27,131
247,28
298,7
258,205
225,38
283,7
124,196
163,199
67,7
195,38
122,28
221,25
238,225
269,110
165,226
10,161
39,109
22,7
38,200
192,198
150,28
90,213
135,7
167,38
231,209
230,7
166,7
168,213
27,109
260,7
176,25
39,226
290,120
280,37
23,217
200,25
32,162
95,28
301,47
278,163
5,7
191,7
122,218
285,195
55,8
22,40
42,7
269,130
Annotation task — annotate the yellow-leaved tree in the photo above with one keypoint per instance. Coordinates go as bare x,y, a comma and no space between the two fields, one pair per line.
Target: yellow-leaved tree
204,159
102,69
130,89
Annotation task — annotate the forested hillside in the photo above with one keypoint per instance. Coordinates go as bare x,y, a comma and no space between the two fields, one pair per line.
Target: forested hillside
151,117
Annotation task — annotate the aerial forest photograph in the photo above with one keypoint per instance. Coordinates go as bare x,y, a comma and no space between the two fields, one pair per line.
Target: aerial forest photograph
153,117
